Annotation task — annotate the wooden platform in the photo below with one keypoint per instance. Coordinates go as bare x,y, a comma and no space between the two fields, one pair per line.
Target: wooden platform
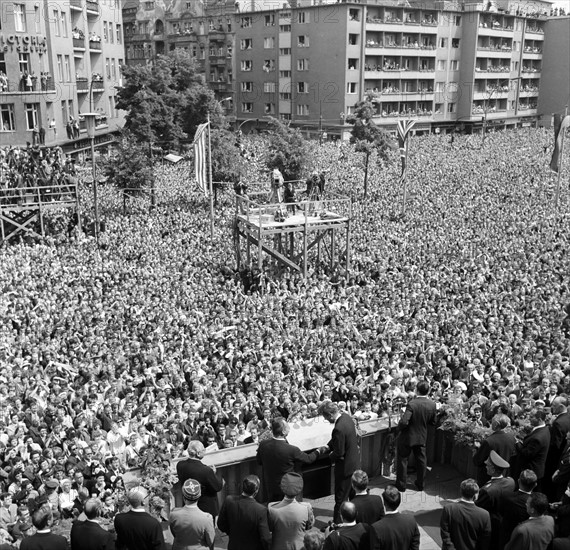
321,225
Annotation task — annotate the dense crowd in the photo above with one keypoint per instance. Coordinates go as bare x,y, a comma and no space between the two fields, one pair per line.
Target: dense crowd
152,340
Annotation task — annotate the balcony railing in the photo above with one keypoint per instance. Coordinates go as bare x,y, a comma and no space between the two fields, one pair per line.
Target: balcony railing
39,85
92,6
79,43
95,46
76,4
82,84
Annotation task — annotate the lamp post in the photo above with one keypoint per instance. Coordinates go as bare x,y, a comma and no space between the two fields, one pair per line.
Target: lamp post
90,125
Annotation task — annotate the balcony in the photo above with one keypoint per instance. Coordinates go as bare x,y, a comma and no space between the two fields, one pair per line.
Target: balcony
82,85
92,7
39,85
94,46
494,31
79,44
76,5
220,86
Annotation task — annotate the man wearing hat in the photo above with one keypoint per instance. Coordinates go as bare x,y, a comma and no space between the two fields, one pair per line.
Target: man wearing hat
193,468
244,520
493,491
136,529
278,457
190,527
289,519
88,534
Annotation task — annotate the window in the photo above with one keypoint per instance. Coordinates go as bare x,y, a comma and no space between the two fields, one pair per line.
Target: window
302,110
439,87
302,64
71,107
63,19
303,87
56,23
3,63
284,74
269,87
118,34
269,65
107,67
247,86
37,21
352,64
441,65
269,108
32,117
246,22
64,114
246,65
111,33
354,14
60,68
24,62
353,40
451,107
285,96
7,120
454,65
20,17
270,20
443,42
246,44
229,24
302,17
67,68
285,116
284,51
113,69
269,42
303,41
247,107
455,42
457,20
438,108
351,87
111,106
284,28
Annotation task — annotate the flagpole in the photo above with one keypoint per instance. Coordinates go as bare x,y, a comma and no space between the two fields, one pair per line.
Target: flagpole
563,130
210,180
405,176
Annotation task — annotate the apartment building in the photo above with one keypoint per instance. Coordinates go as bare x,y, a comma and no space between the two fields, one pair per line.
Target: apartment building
470,68
206,30
59,60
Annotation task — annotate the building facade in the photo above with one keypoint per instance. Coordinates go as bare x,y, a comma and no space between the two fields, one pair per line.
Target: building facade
57,61
446,68
206,30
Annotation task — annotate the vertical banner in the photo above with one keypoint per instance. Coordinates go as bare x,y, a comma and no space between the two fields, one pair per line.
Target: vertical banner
200,165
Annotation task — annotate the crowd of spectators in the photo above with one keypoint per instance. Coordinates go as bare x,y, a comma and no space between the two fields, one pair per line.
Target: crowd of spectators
153,341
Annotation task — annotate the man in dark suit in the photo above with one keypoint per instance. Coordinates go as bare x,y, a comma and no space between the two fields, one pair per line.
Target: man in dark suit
561,477
394,531
559,427
412,427
500,441
193,468
244,520
512,506
490,494
369,508
43,539
532,451
88,534
344,452
463,525
537,532
136,529
277,457
349,534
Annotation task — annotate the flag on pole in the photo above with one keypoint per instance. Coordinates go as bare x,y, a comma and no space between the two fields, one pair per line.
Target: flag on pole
200,165
404,127
561,122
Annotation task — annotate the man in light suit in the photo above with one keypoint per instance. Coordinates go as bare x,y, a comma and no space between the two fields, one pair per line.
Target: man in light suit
463,525
88,534
277,458
193,468
289,519
537,532
412,427
394,531
344,452
190,527
136,529
244,520
532,451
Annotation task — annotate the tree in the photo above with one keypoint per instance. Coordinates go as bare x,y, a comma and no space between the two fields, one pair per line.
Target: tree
165,102
130,169
367,136
287,150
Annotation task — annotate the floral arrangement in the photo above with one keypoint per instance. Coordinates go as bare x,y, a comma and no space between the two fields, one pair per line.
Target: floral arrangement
157,477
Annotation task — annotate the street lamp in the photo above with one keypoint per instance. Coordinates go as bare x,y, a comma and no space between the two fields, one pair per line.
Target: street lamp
90,125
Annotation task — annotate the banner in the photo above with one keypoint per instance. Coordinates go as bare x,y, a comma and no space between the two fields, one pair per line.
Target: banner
200,153
404,127
560,124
